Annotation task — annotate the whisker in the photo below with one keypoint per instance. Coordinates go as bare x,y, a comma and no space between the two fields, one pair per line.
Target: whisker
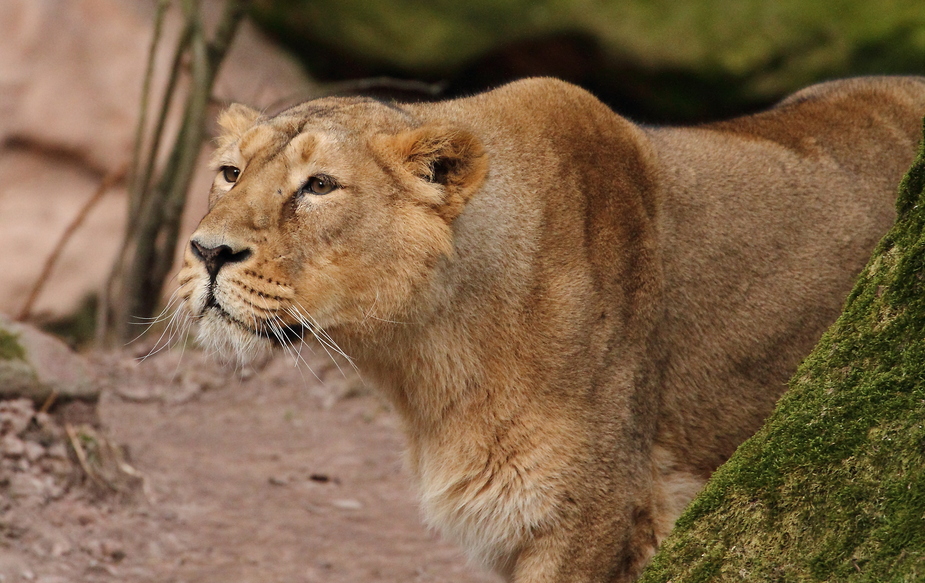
317,331
326,342
368,314
277,327
159,318
170,331
325,339
307,326
163,315
296,353
182,333
297,357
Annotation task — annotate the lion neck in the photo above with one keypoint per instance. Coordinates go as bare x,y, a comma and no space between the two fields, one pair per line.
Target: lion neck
428,372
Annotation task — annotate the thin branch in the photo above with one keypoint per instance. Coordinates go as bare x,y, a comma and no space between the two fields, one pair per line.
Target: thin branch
108,182
143,187
81,455
159,17
141,179
143,278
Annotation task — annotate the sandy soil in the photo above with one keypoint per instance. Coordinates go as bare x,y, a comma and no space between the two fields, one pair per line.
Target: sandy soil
265,477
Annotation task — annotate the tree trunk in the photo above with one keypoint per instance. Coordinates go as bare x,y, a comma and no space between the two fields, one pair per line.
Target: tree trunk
833,487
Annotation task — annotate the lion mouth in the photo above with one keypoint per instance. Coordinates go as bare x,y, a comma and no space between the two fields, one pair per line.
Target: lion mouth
283,335
279,333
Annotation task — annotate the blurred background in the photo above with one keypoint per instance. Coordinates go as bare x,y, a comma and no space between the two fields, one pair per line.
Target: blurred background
73,77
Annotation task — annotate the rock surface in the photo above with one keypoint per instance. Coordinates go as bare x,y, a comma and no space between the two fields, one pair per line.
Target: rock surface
70,85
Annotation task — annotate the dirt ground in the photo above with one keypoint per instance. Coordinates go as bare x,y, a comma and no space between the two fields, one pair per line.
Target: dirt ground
274,476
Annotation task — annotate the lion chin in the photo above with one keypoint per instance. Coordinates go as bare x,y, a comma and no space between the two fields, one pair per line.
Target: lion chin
230,343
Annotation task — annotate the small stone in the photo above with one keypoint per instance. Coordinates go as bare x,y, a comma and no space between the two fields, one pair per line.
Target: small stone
43,419
347,504
112,550
53,490
33,451
57,451
15,416
186,390
60,548
92,547
84,516
12,446
140,393
98,568
23,485
60,467
39,549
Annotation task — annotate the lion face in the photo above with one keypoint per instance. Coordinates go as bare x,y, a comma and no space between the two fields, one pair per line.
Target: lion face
334,213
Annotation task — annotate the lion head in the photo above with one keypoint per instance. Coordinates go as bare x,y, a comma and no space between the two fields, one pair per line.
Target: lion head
331,213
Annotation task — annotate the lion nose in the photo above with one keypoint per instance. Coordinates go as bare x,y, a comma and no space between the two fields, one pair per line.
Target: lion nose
216,257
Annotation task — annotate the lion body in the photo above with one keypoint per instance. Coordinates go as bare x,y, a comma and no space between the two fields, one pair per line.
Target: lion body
577,318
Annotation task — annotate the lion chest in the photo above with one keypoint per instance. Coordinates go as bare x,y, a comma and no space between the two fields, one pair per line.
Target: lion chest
491,498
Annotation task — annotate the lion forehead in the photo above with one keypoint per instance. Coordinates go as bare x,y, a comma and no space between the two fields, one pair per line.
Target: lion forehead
260,139
324,131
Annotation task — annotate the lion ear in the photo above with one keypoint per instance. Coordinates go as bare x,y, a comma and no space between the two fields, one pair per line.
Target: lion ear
235,120
449,158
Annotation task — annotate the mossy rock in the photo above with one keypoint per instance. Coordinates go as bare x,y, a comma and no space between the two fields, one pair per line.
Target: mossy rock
17,377
683,59
36,365
833,487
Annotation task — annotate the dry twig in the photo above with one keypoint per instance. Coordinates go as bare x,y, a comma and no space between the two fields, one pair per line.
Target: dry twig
104,462
82,457
110,180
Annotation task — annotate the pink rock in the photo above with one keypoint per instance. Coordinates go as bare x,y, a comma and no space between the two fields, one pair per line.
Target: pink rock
71,76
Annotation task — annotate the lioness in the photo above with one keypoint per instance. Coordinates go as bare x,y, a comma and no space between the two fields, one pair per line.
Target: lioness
577,318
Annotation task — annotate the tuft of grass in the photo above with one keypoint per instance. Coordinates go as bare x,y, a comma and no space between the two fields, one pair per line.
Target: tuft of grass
832,488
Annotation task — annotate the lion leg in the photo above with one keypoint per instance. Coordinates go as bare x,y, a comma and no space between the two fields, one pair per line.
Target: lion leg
604,544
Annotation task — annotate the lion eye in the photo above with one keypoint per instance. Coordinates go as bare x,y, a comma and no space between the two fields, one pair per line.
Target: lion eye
230,173
318,185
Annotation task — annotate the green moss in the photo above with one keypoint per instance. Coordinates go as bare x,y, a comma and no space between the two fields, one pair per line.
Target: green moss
10,348
734,35
833,487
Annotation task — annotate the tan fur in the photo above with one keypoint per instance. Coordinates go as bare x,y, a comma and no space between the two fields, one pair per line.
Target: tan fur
577,318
